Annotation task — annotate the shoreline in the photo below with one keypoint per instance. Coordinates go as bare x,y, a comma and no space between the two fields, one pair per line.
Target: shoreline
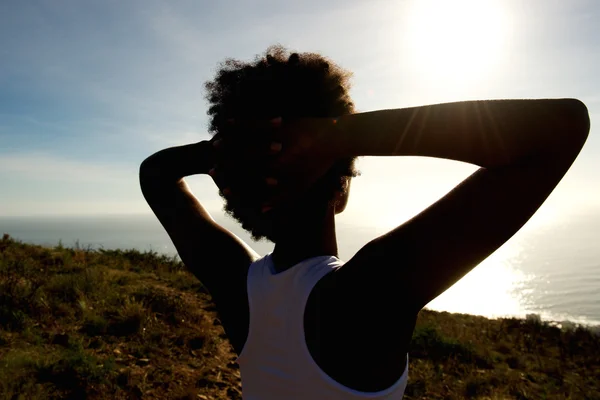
594,326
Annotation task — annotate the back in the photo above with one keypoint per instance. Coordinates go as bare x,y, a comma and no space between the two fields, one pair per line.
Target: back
275,362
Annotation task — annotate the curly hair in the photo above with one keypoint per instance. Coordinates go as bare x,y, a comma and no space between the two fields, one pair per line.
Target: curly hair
280,83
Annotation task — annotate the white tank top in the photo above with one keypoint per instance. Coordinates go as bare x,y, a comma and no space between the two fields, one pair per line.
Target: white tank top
275,362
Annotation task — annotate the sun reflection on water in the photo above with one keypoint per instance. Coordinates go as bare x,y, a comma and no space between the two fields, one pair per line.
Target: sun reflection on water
495,288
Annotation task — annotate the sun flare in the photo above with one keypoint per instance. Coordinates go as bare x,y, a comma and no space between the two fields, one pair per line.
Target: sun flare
455,43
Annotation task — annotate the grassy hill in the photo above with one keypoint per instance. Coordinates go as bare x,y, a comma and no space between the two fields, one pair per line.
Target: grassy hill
122,324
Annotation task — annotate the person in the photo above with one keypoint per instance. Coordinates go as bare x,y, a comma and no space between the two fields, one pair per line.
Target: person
305,324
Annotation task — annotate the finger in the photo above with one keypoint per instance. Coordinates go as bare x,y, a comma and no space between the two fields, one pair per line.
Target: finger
275,133
275,147
276,122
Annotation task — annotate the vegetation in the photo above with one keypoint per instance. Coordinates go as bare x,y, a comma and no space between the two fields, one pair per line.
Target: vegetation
112,324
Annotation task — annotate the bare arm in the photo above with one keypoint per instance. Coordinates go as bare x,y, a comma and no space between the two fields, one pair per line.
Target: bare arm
490,133
524,147
217,257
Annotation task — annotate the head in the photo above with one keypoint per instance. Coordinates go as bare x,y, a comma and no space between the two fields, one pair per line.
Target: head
279,83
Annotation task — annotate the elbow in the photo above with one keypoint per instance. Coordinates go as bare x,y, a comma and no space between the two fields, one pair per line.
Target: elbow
155,178
143,172
151,167
578,120
148,174
571,125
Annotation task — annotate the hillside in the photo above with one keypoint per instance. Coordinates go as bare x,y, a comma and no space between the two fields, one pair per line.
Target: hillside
121,324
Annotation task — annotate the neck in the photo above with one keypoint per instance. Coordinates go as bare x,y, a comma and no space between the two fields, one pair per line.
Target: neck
304,238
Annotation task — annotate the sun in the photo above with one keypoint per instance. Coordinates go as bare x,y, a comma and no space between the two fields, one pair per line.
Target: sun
452,44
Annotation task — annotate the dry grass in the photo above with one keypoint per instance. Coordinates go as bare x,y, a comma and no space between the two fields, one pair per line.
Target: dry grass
81,323
455,356
78,324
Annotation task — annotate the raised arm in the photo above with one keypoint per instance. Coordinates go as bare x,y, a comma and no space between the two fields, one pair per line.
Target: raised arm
216,256
492,133
524,147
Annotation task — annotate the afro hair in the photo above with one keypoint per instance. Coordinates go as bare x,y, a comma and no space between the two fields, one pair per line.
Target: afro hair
280,83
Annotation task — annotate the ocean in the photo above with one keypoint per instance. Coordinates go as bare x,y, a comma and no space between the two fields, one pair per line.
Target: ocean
550,269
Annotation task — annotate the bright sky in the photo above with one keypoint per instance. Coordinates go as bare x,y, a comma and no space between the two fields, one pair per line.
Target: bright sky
89,89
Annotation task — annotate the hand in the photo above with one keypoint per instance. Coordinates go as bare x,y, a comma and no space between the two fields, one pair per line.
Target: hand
307,151
282,159
241,153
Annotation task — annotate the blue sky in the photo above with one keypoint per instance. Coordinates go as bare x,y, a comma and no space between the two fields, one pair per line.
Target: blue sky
89,89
